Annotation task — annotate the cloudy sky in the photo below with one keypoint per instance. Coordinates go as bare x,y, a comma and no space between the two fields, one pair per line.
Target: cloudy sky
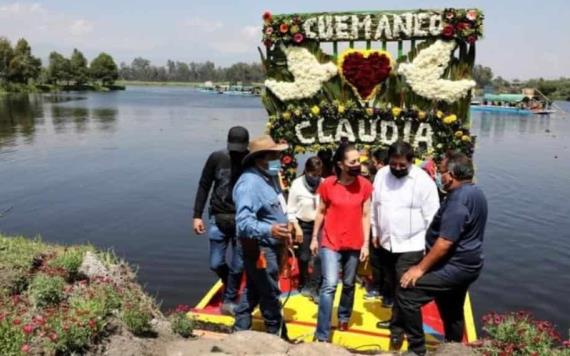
523,38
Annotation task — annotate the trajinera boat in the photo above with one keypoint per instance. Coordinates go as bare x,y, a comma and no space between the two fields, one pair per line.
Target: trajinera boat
316,94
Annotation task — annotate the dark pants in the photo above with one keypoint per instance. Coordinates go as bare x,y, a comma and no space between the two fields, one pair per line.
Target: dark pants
377,282
308,279
449,298
262,288
230,273
394,265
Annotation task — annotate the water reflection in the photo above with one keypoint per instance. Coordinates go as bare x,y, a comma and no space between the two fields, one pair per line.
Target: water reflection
22,114
496,125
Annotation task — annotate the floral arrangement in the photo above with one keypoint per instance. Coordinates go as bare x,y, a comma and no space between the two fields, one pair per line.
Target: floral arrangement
460,24
365,70
424,74
421,96
308,72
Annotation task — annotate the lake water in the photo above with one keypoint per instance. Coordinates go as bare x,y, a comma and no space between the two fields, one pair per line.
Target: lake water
120,170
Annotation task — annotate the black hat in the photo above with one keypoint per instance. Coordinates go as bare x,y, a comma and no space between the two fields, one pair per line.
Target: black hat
238,139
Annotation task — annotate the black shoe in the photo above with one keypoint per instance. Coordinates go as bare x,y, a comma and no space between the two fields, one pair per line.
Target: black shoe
387,302
396,343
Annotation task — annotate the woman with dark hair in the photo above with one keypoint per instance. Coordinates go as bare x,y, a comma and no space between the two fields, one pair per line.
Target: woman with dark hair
344,214
302,209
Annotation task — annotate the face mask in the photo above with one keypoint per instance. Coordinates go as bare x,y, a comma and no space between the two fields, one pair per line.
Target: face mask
354,171
313,182
438,181
399,173
273,167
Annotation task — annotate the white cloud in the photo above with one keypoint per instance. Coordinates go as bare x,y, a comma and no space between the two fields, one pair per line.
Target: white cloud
202,24
81,27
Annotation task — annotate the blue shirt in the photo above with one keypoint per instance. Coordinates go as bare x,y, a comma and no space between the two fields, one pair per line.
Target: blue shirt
461,219
258,206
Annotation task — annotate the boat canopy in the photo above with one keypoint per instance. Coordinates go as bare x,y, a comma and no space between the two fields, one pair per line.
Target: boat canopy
511,98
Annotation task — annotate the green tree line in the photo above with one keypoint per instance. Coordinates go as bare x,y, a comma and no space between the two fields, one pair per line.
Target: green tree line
141,69
554,89
20,70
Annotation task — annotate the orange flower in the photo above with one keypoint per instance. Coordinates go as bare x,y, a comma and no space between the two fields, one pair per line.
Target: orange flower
283,28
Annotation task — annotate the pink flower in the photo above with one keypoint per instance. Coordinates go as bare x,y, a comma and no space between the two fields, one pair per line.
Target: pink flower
472,15
448,31
298,37
472,39
17,322
53,337
269,30
28,329
26,348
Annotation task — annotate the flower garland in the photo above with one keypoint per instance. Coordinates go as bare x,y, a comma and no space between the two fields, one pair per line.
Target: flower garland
424,73
365,70
309,75
459,24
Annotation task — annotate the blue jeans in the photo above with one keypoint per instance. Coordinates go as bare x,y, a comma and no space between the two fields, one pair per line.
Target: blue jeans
231,273
330,262
262,288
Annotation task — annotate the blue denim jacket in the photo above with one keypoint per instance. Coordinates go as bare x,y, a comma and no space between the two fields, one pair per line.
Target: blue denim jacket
256,197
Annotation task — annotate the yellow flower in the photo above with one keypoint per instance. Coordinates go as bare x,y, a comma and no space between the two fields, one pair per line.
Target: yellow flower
439,114
294,29
396,111
450,119
315,110
422,115
369,111
286,116
297,112
458,134
466,138
341,109
299,149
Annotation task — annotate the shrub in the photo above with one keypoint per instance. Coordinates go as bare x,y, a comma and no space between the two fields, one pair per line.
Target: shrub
46,290
11,338
70,260
137,319
70,332
180,323
520,334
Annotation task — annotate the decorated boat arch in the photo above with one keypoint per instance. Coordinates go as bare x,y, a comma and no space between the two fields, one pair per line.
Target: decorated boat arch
374,77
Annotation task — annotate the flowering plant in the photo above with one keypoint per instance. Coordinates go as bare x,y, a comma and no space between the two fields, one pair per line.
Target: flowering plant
365,70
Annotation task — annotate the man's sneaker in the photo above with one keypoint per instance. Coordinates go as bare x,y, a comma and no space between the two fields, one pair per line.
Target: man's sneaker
383,324
387,302
372,295
228,308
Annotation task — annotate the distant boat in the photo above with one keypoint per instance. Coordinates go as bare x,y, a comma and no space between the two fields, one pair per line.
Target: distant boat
527,103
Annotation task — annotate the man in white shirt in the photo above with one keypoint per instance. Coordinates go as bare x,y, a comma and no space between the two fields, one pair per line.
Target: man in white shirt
404,203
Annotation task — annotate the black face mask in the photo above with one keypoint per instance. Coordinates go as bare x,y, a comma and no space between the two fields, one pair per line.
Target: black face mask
354,171
399,173
313,182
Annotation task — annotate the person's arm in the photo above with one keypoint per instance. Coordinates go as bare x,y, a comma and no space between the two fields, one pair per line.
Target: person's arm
452,224
364,251
292,209
247,206
439,250
374,223
319,218
204,186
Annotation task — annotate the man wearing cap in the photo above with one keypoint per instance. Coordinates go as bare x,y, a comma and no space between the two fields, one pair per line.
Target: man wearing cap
222,169
262,227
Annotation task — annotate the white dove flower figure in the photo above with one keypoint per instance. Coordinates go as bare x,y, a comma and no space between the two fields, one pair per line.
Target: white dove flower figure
309,75
425,71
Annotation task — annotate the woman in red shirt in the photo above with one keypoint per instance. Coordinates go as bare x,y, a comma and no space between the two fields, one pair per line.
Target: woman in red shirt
344,214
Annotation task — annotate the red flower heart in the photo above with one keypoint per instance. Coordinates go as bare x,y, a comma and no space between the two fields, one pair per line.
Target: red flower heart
365,70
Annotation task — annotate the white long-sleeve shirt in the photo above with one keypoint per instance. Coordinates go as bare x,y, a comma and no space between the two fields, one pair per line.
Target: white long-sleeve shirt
402,209
302,204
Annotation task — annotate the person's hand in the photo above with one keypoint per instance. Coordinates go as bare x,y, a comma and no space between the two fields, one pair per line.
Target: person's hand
280,231
364,252
376,242
199,227
411,277
314,246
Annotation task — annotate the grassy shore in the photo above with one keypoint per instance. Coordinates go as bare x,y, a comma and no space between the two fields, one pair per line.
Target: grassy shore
61,300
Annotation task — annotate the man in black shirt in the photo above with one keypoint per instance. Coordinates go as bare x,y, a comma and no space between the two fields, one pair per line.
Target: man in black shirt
222,169
454,256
